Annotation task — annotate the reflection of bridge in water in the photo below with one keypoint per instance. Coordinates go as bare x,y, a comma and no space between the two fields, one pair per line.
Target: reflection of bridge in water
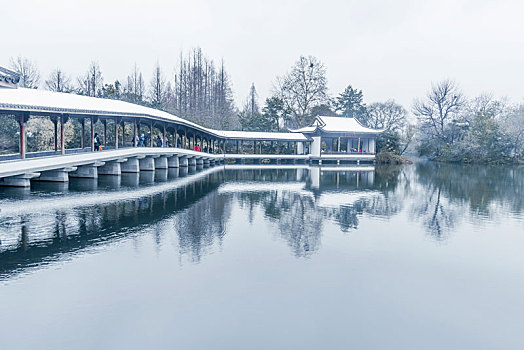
51,223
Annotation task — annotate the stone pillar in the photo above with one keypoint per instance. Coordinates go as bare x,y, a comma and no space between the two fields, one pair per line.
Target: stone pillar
57,175
191,161
172,162
131,166
23,180
200,161
147,164
88,171
183,161
161,162
111,168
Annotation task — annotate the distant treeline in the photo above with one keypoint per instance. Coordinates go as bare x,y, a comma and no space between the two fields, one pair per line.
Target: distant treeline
444,125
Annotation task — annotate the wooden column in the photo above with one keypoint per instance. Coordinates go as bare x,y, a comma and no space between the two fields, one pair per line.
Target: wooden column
63,120
164,136
135,135
105,131
151,133
83,134
123,133
358,147
92,134
55,124
174,138
338,145
22,119
116,133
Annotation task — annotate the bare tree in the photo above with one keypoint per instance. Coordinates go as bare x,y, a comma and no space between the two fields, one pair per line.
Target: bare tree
513,125
304,87
58,82
28,70
135,86
92,82
441,106
387,115
202,91
158,89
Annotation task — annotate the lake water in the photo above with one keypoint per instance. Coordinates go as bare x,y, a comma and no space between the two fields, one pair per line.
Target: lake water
423,256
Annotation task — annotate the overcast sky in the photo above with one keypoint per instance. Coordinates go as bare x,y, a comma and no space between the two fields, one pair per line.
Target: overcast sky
389,49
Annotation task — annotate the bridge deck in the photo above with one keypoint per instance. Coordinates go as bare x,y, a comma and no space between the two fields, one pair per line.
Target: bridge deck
18,167
31,167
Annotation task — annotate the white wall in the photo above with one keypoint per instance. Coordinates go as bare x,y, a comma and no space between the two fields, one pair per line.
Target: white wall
315,146
372,145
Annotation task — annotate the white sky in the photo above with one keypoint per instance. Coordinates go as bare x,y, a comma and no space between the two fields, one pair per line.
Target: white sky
389,49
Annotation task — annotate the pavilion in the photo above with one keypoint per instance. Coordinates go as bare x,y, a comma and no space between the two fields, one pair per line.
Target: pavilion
339,136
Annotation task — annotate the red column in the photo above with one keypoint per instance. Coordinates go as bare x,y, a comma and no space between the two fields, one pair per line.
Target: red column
62,141
135,141
21,122
55,123
82,136
123,133
92,134
105,131
164,136
116,133
151,133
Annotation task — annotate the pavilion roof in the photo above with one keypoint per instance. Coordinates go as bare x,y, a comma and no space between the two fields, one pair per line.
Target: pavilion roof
337,125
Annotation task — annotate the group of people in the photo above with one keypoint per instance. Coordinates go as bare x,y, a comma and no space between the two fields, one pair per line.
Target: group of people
144,141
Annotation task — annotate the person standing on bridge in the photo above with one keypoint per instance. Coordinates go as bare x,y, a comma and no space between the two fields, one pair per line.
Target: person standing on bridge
96,141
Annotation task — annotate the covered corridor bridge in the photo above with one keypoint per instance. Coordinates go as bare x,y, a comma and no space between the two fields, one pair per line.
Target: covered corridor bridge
182,142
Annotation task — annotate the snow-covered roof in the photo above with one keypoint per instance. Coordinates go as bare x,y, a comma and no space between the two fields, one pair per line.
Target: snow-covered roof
8,78
42,101
338,125
262,136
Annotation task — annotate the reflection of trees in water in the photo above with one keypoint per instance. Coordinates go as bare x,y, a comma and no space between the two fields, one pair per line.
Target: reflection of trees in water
300,224
299,215
36,239
202,225
447,193
296,216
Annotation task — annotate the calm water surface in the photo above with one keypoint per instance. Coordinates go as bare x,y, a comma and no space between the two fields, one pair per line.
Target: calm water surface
423,256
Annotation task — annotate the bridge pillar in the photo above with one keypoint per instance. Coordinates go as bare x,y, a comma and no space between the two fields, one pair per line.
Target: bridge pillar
23,180
183,161
172,162
161,162
131,166
88,171
200,161
57,175
147,164
191,161
111,168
